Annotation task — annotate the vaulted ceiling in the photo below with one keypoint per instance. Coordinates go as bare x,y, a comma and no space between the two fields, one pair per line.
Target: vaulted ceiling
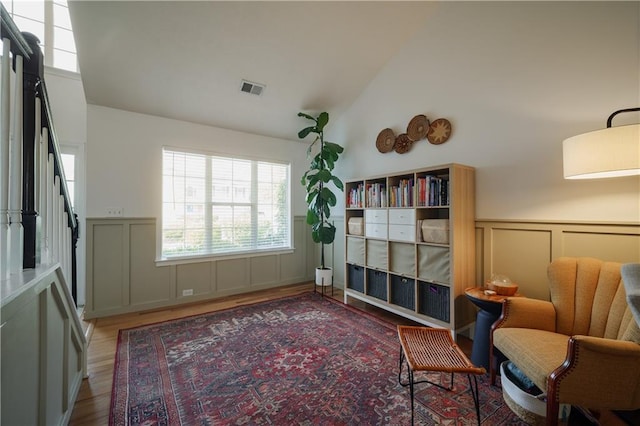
186,60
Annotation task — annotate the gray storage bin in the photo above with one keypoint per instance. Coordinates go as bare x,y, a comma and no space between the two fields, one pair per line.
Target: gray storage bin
434,300
355,278
434,264
355,250
402,258
377,254
403,292
377,284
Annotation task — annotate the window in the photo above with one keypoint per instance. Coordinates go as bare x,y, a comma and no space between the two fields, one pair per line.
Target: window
215,205
69,167
49,21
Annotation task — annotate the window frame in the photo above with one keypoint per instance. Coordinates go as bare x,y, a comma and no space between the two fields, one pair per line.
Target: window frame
48,42
162,259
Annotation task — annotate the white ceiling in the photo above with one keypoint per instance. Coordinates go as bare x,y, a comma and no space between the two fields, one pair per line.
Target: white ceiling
185,60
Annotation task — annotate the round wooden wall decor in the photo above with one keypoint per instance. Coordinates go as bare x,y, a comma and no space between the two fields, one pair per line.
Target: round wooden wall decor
418,127
439,131
386,140
403,143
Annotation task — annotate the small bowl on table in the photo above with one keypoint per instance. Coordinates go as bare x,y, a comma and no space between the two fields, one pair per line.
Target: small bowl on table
502,289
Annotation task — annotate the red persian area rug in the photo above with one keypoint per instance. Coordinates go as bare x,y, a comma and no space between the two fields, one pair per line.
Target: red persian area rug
301,360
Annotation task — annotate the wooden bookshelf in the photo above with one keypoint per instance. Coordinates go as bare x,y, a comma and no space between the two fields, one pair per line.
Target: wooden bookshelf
388,262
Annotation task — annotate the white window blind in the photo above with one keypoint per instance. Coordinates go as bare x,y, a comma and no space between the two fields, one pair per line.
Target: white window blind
221,205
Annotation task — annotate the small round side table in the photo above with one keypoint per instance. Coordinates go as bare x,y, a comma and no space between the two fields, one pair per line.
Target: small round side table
490,310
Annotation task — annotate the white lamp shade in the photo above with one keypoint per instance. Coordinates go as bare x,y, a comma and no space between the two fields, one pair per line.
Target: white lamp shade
610,152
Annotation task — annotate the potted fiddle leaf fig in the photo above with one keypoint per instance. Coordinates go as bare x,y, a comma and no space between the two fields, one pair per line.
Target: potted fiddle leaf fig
320,197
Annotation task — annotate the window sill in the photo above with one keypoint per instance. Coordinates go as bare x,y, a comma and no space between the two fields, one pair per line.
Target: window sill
61,72
183,260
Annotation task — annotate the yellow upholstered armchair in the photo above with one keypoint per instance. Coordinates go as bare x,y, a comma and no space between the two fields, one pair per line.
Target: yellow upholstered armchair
582,347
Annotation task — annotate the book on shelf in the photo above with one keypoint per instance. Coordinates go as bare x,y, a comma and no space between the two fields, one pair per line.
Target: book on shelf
376,195
356,197
432,191
401,195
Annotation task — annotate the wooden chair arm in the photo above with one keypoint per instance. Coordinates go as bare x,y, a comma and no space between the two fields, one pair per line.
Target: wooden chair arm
523,312
598,373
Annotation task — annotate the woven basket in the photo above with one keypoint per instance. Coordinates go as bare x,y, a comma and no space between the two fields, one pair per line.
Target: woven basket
386,140
418,127
439,131
403,143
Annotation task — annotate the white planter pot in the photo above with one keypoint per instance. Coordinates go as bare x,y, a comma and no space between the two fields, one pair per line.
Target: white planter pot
324,277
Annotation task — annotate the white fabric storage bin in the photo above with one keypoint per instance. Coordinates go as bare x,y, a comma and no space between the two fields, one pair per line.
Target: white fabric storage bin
528,407
356,226
433,264
435,231
355,250
402,259
377,254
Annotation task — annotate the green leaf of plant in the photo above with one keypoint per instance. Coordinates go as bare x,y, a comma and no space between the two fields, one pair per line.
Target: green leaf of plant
334,147
326,210
324,175
337,182
329,162
331,152
322,121
328,196
317,162
312,217
311,195
302,114
304,132
314,179
317,205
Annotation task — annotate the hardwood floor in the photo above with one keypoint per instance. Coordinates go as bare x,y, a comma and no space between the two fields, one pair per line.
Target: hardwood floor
94,398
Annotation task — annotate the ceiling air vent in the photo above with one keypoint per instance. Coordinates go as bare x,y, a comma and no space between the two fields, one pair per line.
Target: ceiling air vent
252,88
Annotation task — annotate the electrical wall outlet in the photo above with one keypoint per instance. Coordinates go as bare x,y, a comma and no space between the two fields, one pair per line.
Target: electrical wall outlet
187,292
115,211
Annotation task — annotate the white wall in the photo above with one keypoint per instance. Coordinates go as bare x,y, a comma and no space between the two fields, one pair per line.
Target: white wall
68,105
124,158
514,79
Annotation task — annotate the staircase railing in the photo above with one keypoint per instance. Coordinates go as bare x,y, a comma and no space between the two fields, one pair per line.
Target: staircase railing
37,223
